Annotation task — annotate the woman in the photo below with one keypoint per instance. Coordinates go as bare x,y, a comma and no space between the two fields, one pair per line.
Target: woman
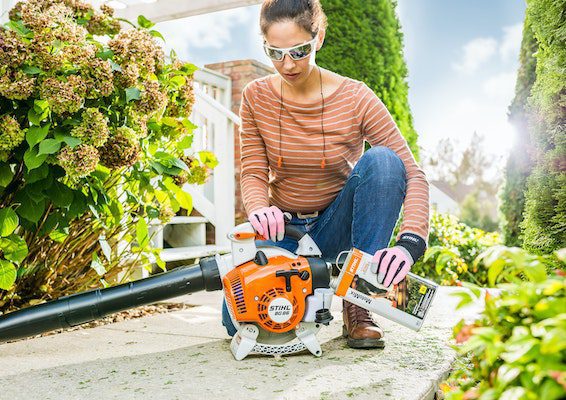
302,140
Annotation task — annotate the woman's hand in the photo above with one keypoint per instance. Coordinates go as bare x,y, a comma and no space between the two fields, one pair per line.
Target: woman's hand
268,222
391,265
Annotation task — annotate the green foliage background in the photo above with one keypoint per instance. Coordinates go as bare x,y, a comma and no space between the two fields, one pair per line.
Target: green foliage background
364,41
519,163
544,223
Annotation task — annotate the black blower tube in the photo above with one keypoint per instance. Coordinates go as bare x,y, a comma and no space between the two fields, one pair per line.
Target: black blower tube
91,305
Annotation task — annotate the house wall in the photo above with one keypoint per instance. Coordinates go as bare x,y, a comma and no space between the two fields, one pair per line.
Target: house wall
241,72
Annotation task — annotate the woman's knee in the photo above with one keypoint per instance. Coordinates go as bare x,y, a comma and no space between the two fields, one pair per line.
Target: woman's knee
383,163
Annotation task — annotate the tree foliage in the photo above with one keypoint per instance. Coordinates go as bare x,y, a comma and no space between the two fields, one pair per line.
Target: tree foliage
364,41
544,223
519,163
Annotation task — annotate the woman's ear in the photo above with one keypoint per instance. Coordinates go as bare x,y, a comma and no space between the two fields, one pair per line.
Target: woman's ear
321,33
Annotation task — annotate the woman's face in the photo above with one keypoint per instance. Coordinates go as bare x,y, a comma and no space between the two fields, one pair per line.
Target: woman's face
286,34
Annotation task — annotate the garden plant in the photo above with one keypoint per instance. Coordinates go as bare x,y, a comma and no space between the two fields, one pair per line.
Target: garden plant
95,142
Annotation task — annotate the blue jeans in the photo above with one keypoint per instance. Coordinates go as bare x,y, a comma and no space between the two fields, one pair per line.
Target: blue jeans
363,215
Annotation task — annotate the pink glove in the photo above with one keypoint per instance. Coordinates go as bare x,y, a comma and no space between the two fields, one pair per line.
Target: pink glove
391,265
268,222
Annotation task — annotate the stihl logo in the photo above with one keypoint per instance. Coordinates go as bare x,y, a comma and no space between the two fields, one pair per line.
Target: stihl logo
412,239
354,265
280,308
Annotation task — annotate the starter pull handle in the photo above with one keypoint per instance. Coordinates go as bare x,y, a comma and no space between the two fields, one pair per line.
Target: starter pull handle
287,274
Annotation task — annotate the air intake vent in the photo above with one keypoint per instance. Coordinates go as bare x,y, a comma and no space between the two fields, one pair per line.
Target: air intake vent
238,292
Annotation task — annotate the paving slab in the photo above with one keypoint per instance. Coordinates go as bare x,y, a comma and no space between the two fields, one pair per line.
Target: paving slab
185,355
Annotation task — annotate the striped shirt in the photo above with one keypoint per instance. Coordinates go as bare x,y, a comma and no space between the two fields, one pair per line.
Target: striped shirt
352,114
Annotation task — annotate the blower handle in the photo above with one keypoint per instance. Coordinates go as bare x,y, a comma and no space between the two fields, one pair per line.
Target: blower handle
292,231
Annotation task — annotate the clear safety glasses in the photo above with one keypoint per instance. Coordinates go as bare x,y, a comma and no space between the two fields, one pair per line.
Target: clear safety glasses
296,53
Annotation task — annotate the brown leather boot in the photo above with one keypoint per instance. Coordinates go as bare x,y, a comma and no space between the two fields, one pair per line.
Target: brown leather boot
359,327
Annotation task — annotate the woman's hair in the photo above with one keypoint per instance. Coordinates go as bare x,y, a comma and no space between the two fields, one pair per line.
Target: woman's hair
308,14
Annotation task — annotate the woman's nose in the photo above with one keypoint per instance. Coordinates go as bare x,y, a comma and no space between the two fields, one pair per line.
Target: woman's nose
288,62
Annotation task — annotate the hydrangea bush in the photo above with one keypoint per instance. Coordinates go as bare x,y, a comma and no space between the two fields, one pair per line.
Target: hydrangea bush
94,142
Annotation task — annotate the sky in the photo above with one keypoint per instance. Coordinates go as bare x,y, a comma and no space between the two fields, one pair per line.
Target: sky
462,58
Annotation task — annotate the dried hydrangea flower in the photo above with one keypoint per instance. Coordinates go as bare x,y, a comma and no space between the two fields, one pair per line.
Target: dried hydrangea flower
11,134
182,105
17,85
128,76
137,122
137,45
166,213
13,52
80,161
93,128
64,97
122,149
152,98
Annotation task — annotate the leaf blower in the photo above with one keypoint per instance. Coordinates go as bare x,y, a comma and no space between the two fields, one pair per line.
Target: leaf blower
278,300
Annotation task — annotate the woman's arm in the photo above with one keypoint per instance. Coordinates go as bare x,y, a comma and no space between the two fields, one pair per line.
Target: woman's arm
254,174
379,129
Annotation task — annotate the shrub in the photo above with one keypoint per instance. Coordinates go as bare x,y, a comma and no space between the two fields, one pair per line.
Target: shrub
94,140
544,223
517,348
453,246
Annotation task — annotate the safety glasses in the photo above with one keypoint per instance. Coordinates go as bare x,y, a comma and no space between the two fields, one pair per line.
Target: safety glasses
296,53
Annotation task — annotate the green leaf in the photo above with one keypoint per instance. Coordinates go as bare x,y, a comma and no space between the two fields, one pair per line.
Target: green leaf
506,374
49,146
40,105
60,194
106,54
8,221
185,143
29,209
178,80
32,159
170,121
19,27
553,341
144,22
6,175
14,248
156,34
34,117
465,299
208,158
96,264
58,235
142,233
30,70
185,200
7,274
115,66
36,174
494,270
132,94
522,351
71,141
36,134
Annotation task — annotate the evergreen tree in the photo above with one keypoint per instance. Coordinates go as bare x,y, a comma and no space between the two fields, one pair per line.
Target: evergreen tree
519,163
544,223
364,41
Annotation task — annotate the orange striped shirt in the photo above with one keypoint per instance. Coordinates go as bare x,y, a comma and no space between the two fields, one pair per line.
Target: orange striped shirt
352,114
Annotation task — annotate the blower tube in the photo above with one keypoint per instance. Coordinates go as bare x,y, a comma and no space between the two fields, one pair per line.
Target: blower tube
84,307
